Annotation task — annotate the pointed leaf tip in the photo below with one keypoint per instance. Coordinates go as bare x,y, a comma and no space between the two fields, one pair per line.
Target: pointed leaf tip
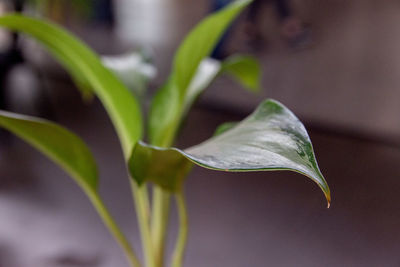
328,198
271,138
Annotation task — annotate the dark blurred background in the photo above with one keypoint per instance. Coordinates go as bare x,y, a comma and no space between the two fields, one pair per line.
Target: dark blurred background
335,63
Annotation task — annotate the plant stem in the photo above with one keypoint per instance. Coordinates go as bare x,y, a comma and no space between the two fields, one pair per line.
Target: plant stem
179,251
161,206
161,203
112,226
143,215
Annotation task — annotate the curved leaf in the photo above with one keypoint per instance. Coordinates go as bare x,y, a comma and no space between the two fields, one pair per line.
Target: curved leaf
197,45
271,138
165,167
57,143
87,68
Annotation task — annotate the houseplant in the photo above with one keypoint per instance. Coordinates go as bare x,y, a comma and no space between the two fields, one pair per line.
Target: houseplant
271,138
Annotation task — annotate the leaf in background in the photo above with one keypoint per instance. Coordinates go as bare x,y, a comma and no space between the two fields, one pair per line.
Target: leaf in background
132,69
271,138
164,115
206,73
87,68
245,69
200,42
197,45
60,145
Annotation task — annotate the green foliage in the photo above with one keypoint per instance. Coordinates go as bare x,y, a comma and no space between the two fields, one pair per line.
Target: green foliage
56,142
88,71
169,172
169,103
245,69
86,67
271,138
199,43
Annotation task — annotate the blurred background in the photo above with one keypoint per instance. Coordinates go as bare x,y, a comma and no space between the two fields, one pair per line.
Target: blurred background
335,63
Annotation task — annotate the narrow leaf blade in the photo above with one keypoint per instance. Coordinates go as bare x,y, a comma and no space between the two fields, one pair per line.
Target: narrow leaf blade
172,99
88,70
200,42
57,143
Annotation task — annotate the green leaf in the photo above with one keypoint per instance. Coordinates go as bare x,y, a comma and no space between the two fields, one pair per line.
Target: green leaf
271,138
165,167
207,71
57,143
200,42
245,69
88,69
197,45
164,115
132,69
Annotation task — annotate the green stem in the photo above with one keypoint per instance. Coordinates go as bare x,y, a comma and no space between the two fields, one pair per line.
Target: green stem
112,227
161,208
161,203
143,215
179,251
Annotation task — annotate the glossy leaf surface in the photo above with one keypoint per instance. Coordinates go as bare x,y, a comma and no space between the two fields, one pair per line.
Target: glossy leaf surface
88,69
57,143
198,44
271,138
